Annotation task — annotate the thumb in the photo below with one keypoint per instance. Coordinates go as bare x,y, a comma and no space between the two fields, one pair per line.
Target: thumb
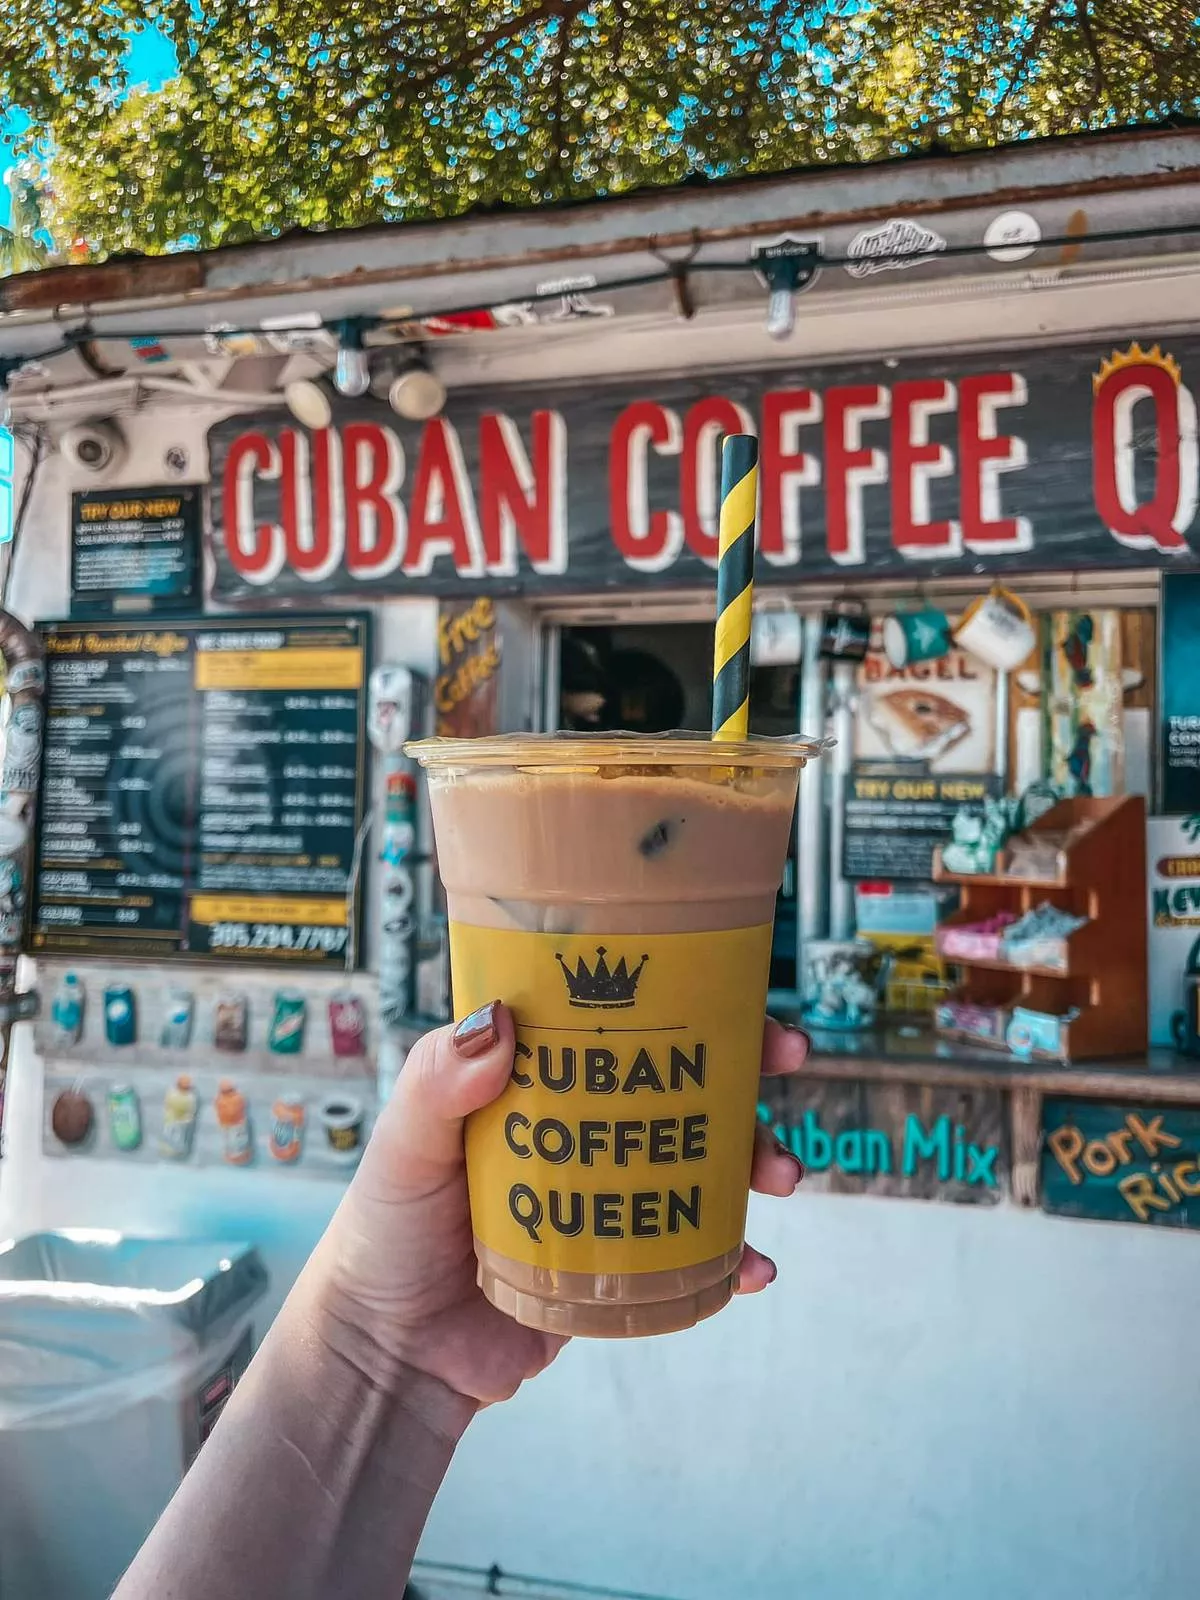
448,1074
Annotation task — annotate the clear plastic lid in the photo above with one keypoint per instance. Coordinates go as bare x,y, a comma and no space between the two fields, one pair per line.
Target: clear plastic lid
678,748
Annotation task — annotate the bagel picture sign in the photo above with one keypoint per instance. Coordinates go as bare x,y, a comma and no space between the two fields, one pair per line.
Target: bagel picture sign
1084,456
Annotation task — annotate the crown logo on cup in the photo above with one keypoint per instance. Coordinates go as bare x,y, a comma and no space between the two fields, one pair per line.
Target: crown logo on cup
602,985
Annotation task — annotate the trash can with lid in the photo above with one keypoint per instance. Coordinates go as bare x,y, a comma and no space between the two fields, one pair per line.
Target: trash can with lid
116,1358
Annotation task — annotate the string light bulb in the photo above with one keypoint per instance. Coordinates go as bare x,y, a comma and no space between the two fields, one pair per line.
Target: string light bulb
352,371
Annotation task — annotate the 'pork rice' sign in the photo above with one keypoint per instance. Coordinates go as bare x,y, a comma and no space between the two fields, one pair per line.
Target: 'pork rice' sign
1085,456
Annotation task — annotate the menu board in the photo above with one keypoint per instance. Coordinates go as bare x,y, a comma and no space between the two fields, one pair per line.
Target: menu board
202,789
895,820
1181,693
134,550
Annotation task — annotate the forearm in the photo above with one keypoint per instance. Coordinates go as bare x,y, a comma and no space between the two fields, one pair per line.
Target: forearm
316,1481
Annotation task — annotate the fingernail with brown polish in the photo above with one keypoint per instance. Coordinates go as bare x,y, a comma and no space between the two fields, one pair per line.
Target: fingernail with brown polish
477,1033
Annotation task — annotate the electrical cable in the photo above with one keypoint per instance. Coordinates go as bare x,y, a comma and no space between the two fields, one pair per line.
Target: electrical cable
818,259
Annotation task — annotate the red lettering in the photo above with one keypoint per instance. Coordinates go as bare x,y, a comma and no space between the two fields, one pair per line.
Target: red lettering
255,549
1158,523
783,470
320,554
915,462
441,517
983,456
700,470
372,470
850,467
306,496
523,506
649,541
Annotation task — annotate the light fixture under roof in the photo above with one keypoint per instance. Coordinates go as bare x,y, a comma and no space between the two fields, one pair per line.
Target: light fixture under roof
417,395
310,400
352,372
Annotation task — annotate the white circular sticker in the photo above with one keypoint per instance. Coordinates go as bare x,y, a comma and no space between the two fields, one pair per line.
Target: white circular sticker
1012,236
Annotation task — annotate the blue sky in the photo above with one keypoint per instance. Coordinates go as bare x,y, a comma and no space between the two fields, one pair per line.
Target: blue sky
150,61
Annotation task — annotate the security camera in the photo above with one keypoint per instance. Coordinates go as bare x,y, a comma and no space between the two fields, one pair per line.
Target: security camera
93,446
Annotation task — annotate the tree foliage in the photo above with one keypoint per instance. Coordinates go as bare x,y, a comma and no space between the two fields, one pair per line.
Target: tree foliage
22,244
283,115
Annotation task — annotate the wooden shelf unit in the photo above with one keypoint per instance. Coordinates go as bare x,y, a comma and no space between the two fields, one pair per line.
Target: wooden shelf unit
1101,874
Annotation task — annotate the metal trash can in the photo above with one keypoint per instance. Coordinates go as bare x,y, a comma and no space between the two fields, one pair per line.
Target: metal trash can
116,1358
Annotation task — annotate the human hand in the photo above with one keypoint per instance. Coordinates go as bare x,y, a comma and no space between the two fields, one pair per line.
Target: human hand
396,1269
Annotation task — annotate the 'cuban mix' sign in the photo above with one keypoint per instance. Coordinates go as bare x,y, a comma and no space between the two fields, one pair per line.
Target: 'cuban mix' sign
1075,457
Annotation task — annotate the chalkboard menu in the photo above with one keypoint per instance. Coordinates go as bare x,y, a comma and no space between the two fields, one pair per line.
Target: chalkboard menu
1181,693
202,789
135,550
896,819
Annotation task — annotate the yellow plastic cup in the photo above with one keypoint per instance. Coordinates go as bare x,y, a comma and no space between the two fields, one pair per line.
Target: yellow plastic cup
618,894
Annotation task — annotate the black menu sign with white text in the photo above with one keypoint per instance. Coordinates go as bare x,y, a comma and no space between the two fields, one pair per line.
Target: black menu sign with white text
135,550
202,789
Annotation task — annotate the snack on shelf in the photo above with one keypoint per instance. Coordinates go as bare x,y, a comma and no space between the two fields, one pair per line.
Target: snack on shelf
974,1024
1039,939
975,941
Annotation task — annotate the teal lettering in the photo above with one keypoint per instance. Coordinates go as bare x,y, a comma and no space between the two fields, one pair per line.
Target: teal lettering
960,1155
879,1151
982,1168
848,1151
818,1146
921,1146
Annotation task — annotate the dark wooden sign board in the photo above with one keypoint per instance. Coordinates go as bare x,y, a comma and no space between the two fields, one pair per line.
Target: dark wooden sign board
913,1141
1121,1163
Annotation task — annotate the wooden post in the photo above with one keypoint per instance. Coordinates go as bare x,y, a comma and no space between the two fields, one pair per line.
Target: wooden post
1026,1145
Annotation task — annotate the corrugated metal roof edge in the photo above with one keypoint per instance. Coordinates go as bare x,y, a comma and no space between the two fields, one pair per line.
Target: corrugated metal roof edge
214,273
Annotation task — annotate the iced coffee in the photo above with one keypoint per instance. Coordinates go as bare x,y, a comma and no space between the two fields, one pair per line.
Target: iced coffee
617,894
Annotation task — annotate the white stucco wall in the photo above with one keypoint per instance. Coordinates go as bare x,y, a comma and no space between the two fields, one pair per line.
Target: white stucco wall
931,1402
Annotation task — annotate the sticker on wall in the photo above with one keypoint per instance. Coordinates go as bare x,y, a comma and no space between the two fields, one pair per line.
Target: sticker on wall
575,303
299,333
149,350
223,339
1012,236
897,243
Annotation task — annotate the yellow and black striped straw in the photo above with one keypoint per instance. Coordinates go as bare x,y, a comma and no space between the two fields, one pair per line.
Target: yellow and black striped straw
735,588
